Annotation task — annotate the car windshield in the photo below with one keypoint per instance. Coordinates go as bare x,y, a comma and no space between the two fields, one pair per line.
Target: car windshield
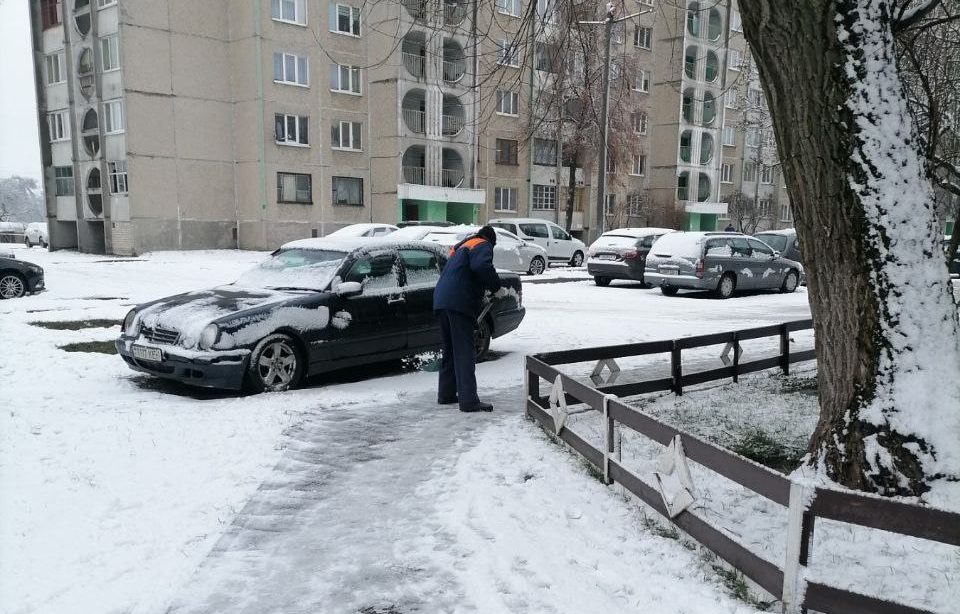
678,244
295,268
615,241
777,242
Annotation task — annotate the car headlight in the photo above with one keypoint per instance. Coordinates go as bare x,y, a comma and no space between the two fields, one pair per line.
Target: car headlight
36,270
208,336
131,324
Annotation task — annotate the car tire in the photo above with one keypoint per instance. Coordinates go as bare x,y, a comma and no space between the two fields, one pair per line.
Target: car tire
577,259
26,241
727,286
482,334
44,244
669,290
790,282
602,281
270,368
12,285
537,266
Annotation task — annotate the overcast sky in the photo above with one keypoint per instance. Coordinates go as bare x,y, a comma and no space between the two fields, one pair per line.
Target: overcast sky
19,150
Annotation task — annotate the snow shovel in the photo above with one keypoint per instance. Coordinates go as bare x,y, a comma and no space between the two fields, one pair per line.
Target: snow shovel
432,366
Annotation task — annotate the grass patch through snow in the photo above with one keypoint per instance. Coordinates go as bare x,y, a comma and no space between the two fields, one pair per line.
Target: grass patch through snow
101,347
76,324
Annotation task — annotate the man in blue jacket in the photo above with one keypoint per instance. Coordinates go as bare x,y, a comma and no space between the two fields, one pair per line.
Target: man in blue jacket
457,302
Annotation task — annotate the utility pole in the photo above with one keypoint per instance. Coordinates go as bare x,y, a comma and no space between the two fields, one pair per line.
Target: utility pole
608,22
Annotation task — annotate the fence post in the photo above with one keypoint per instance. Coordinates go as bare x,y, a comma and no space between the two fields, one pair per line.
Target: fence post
785,348
531,388
799,534
676,369
736,357
608,430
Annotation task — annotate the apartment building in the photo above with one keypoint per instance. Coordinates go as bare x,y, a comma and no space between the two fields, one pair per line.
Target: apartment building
175,124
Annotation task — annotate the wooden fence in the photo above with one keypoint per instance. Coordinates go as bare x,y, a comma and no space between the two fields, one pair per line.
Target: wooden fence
804,503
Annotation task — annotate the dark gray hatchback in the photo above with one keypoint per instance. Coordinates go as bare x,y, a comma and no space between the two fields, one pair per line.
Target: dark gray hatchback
722,262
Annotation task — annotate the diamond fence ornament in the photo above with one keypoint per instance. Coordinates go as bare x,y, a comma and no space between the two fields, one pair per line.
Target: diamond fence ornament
725,354
558,405
596,376
673,479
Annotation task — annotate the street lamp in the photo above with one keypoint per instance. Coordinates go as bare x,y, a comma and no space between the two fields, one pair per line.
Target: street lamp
608,21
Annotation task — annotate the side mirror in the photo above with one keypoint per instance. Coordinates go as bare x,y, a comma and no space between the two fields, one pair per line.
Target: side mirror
349,288
775,255
529,240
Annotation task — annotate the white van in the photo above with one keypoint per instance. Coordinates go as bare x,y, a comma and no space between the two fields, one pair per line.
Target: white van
560,246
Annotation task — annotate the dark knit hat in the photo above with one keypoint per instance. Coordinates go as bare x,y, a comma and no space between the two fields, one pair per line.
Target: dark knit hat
488,233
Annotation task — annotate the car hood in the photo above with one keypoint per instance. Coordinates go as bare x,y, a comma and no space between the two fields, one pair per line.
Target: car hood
190,312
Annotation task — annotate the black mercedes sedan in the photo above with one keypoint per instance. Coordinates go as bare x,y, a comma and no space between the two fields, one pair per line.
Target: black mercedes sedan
18,277
315,305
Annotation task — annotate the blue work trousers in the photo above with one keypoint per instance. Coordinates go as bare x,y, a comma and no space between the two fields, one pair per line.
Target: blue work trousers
457,368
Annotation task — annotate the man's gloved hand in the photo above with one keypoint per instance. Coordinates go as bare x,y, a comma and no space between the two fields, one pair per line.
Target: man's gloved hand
501,293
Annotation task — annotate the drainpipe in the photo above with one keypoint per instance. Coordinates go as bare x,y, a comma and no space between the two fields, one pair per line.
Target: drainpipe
531,56
261,133
718,146
474,141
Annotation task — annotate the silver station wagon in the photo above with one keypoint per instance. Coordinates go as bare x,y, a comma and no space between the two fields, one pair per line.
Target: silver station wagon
722,262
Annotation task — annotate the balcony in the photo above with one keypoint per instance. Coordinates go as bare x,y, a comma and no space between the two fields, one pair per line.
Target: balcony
452,125
452,170
415,175
413,51
416,8
454,13
454,61
453,118
413,107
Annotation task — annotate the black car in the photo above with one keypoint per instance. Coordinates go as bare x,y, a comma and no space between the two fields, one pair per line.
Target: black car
439,223
18,277
621,254
316,305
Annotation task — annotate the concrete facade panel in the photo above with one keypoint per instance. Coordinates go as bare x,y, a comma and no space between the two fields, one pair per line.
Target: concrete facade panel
204,129
150,120
145,57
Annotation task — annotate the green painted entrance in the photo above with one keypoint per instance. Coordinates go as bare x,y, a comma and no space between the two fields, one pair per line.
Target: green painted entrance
700,221
436,211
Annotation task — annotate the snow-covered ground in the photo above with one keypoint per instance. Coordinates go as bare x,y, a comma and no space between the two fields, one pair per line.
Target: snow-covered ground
122,493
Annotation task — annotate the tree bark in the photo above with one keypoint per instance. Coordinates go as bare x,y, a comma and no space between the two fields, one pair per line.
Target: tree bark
876,325
571,191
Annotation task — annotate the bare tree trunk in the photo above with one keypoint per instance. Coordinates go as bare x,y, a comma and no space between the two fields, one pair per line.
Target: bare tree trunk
571,192
954,236
886,328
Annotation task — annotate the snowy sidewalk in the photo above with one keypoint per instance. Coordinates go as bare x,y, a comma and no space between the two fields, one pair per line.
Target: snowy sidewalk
415,507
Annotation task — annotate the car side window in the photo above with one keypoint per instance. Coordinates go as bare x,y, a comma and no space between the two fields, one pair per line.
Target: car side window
719,248
535,230
374,273
760,249
559,233
421,267
740,247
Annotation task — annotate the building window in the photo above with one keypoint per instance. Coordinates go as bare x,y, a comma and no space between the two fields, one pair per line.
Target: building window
293,11
102,4
726,172
641,82
731,99
348,191
785,213
766,174
755,98
59,126
346,135
63,178
345,19
291,129
294,188
509,7
618,33
763,206
639,122
109,53
611,161
729,136
508,54
639,165
736,25
345,79
646,2
635,203
113,116
753,137
683,185
733,59
749,171
610,204
544,55
642,36
118,177
50,15
54,68
506,152
545,152
544,197
505,199
508,103
290,69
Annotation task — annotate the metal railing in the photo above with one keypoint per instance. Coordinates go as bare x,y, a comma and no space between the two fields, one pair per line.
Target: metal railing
415,174
454,13
416,8
453,71
451,177
415,64
415,120
452,124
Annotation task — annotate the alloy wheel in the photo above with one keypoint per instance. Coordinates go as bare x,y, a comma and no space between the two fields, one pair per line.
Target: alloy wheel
11,286
277,365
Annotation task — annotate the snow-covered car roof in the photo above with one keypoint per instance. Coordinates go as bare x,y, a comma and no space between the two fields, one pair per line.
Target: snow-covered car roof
637,232
356,230
416,232
348,244
783,231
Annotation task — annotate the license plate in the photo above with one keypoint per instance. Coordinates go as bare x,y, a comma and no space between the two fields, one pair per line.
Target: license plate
668,270
151,354
606,257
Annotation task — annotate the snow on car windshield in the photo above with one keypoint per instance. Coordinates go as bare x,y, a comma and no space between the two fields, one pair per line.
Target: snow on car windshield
615,241
777,242
310,269
678,244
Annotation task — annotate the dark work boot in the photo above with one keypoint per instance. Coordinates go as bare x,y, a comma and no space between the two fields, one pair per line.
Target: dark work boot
446,401
480,406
